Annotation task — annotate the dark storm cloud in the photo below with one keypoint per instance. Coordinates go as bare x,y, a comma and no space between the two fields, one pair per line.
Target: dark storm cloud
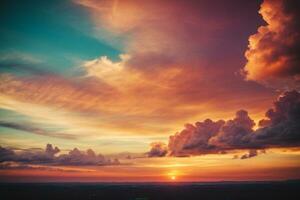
49,157
281,128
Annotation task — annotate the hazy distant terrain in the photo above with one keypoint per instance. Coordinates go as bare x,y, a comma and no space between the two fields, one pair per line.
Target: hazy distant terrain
142,191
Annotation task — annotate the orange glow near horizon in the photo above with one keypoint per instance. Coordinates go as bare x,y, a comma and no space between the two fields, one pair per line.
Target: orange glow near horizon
199,168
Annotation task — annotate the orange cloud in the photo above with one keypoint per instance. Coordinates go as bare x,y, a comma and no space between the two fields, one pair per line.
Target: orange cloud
172,47
159,32
273,54
169,73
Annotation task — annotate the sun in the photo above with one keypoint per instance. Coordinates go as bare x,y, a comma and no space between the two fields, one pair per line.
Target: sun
172,175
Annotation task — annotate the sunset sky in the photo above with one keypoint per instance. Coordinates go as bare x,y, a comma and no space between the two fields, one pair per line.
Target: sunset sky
159,90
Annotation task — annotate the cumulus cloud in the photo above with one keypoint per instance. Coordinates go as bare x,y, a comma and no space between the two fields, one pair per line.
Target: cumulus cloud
233,133
281,128
77,157
282,124
194,138
273,53
49,156
35,156
158,149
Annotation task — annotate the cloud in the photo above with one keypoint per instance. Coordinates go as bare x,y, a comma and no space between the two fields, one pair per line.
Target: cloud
9,165
49,156
21,63
281,128
164,33
176,67
76,158
252,153
233,134
55,90
175,47
21,57
6,154
273,53
30,156
32,129
91,104
158,149
282,124
194,138
106,69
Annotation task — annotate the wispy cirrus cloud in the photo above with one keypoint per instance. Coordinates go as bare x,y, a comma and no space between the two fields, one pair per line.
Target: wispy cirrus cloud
21,166
35,130
170,73
17,56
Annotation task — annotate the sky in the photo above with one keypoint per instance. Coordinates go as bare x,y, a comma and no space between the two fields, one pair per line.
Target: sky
143,91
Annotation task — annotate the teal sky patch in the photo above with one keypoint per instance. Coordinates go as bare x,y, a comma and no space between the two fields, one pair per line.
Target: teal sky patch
57,35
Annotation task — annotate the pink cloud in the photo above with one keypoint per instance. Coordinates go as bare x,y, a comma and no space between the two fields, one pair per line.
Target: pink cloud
209,137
